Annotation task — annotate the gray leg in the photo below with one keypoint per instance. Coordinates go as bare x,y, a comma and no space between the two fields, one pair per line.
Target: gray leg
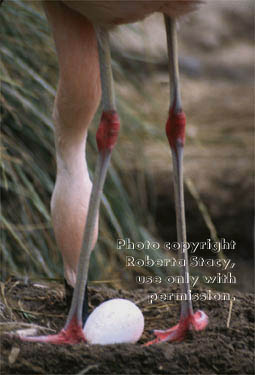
175,129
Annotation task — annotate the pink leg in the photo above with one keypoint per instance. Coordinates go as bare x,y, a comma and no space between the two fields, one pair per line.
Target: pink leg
77,99
197,321
106,138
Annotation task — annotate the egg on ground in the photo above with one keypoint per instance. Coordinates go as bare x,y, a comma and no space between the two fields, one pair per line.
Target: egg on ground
114,322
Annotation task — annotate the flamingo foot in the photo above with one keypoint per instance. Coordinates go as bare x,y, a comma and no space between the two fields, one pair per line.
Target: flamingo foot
73,334
197,321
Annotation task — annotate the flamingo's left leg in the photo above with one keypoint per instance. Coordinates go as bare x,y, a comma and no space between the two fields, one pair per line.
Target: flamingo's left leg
175,130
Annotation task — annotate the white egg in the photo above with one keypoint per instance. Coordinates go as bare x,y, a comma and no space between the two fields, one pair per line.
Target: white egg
113,322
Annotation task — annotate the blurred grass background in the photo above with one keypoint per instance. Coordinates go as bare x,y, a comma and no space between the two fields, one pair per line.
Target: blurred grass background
29,78
137,200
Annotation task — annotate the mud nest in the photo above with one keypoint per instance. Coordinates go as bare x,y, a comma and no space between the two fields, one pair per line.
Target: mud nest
225,347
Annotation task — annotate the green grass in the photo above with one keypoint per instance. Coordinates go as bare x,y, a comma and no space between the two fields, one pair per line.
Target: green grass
28,84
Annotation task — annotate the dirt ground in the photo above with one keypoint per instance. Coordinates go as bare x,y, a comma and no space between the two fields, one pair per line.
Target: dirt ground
217,350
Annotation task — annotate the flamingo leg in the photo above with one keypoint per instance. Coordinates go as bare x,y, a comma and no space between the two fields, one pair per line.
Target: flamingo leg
106,138
69,295
175,130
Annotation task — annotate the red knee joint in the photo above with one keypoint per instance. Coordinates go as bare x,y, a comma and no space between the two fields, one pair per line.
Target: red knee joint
108,130
175,128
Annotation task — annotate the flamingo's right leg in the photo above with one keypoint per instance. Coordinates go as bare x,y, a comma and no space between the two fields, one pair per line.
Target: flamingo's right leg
77,99
106,138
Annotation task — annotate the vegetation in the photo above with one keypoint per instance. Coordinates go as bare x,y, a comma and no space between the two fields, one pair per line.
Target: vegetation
28,84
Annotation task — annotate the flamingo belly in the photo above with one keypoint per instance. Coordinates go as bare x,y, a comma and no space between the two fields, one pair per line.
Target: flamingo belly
117,12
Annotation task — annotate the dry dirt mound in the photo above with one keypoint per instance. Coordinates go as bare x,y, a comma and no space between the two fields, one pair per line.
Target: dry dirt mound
217,350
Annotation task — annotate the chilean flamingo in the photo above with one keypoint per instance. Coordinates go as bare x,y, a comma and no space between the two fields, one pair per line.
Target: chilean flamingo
81,33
